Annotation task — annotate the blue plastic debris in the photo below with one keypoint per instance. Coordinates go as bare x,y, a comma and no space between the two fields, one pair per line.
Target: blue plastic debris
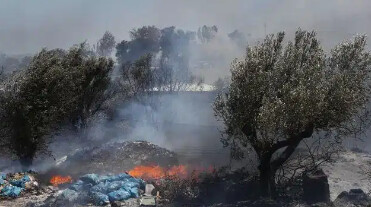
134,192
70,195
2,178
121,177
99,198
90,178
131,184
78,186
11,191
21,182
103,189
12,187
106,187
119,195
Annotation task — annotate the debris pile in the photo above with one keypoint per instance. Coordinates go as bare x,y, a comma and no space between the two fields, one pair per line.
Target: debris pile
98,190
115,158
13,184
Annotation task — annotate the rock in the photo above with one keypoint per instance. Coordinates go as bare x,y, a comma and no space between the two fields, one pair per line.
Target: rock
355,197
315,187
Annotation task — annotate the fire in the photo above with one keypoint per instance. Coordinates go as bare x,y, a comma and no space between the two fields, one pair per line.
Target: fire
153,172
57,180
180,171
157,172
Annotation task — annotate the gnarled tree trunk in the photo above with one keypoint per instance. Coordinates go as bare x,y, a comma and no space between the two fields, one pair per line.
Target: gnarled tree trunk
267,180
268,166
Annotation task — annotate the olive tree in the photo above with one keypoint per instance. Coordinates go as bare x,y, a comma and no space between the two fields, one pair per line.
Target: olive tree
58,86
280,95
138,77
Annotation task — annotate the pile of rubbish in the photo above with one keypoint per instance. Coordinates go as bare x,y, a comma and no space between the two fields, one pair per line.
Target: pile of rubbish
114,158
98,190
13,184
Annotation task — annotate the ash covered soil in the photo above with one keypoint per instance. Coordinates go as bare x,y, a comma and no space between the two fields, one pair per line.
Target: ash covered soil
349,172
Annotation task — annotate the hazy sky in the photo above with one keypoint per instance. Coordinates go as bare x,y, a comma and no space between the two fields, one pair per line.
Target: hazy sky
28,25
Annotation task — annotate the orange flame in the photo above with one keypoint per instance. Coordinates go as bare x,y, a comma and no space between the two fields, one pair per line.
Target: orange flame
157,172
180,171
149,172
57,180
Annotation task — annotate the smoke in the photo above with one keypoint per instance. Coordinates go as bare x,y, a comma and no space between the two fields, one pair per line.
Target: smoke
28,26
182,122
212,60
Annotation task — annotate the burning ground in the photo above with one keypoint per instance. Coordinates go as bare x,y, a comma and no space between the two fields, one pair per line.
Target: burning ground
118,173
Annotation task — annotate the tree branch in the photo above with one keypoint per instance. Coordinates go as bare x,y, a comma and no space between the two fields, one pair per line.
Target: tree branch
291,144
276,163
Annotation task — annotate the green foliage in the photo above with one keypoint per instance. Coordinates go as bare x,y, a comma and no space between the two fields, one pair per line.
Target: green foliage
58,86
138,77
279,95
144,40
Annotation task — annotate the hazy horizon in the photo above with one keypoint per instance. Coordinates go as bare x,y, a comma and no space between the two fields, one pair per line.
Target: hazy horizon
28,26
